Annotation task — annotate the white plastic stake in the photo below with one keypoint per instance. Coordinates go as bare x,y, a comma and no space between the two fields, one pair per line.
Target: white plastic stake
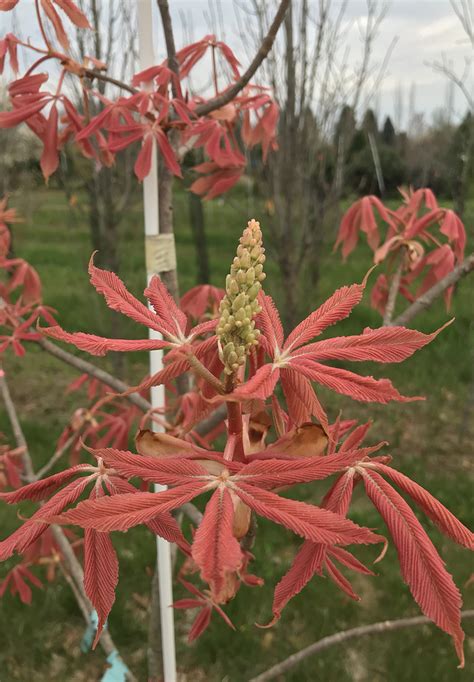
152,227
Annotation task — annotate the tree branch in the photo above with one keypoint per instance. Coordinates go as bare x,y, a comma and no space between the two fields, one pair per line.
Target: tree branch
93,371
339,637
98,75
170,44
426,299
16,427
203,428
393,290
192,512
55,457
264,49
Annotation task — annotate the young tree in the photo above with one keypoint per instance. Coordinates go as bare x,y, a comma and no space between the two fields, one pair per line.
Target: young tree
237,359
277,433
316,84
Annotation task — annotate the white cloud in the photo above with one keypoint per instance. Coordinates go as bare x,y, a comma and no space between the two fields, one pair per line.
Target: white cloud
440,28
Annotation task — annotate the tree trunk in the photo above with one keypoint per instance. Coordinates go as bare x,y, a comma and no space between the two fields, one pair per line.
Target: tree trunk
198,229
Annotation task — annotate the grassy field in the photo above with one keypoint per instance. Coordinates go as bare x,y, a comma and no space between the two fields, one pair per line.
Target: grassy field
431,441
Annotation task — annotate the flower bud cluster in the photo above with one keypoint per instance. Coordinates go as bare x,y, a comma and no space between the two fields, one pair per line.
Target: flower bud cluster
236,328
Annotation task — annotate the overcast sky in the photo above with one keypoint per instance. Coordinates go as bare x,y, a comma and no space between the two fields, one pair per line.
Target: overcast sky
426,30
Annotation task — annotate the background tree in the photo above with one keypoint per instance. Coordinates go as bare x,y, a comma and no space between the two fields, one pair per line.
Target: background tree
319,88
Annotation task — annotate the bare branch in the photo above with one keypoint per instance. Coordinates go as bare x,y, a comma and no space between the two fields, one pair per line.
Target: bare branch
426,299
192,512
464,12
393,291
98,75
264,49
55,457
16,427
339,637
459,81
93,371
170,44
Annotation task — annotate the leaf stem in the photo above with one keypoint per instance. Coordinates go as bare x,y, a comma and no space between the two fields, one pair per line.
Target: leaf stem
40,22
203,372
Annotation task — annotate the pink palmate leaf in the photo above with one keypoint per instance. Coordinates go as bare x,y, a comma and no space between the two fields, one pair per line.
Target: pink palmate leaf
39,490
33,527
360,218
100,574
365,389
120,299
311,557
422,568
215,549
165,307
437,512
336,308
387,344
122,512
313,523
205,604
99,345
15,581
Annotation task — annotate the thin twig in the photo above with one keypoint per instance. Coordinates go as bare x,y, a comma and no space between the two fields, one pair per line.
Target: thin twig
339,637
192,512
393,291
209,423
55,457
263,50
170,45
92,73
96,372
203,428
16,427
426,299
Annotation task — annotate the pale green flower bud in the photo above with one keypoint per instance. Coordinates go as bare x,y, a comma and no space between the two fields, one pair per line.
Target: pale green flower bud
231,358
239,302
245,260
252,293
250,276
240,315
236,328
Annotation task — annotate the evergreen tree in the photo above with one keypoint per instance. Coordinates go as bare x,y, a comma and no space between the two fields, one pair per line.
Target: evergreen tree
389,135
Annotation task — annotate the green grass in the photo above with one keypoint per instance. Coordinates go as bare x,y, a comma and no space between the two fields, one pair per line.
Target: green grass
430,440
